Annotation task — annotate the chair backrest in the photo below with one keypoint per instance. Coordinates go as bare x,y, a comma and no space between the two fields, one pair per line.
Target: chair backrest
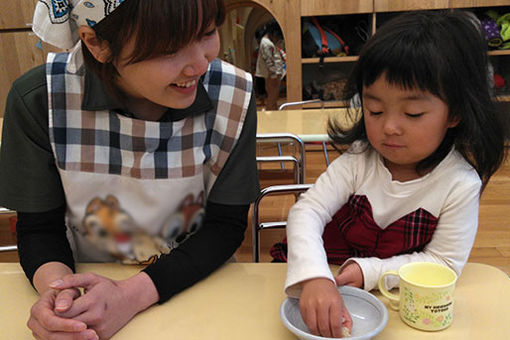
5,211
8,248
4,249
257,226
299,162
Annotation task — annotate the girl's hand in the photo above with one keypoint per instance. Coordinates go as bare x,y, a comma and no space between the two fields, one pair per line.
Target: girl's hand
351,275
323,309
45,324
107,305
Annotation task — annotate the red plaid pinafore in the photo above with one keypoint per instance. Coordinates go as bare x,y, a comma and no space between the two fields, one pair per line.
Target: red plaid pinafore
353,232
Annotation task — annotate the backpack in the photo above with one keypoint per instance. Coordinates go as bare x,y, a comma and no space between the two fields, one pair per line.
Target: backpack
319,41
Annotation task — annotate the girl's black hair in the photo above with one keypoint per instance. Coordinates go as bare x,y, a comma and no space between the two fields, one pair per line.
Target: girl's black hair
444,53
161,27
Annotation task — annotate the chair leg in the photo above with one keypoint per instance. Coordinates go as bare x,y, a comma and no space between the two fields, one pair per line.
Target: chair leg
324,147
280,153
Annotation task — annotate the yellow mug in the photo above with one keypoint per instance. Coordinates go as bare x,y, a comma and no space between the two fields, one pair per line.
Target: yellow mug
426,295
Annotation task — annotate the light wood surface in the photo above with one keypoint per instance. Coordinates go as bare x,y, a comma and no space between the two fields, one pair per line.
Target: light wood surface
16,14
478,3
408,5
310,125
18,54
320,7
242,301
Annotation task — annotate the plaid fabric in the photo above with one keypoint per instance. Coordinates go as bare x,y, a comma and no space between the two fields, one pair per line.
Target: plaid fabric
108,143
353,233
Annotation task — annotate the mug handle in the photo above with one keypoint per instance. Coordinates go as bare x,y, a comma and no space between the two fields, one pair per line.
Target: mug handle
394,298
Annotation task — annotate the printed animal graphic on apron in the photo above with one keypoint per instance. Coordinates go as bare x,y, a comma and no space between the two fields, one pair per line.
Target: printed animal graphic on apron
113,229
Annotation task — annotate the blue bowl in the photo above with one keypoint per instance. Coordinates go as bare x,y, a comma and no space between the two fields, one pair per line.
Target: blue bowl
369,315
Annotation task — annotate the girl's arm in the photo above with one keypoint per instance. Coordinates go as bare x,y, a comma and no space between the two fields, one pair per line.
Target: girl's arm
450,245
306,255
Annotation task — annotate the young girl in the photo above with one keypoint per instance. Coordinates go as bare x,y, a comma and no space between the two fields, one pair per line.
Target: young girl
425,141
138,146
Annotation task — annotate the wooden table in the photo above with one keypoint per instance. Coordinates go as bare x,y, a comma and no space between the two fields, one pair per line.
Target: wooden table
242,301
309,125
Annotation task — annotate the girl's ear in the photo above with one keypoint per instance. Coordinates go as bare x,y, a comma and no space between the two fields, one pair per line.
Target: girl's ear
99,49
454,121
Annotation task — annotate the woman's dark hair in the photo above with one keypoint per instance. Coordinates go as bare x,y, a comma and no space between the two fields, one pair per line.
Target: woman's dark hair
444,53
160,26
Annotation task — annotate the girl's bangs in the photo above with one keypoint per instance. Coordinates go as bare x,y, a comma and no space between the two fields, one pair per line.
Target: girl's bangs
163,27
410,68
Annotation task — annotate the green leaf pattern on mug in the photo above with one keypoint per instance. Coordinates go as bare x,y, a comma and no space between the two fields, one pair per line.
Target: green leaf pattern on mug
430,310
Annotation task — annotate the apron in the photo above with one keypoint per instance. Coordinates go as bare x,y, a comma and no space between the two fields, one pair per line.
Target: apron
137,189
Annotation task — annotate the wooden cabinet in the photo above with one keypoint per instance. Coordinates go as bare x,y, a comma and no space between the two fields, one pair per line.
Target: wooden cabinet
16,14
332,7
375,12
19,50
408,5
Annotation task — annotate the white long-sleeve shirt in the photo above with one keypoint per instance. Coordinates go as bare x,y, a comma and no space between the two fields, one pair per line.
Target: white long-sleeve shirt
450,193
269,61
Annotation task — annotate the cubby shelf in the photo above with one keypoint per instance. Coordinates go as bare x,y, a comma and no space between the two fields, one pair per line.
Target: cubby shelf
499,52
330,60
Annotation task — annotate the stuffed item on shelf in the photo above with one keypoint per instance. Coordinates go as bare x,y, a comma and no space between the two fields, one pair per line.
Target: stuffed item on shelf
497,27
492,32
499,81
504,24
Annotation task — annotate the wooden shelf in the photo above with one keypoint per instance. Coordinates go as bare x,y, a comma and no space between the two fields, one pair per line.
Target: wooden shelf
504,98
330,60
408,5
499,52
478,3
325,104
328,7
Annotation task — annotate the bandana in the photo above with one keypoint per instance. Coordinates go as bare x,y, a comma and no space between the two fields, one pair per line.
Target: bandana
56,21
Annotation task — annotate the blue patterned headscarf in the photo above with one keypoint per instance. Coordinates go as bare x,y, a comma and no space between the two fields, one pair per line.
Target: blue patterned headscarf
56,21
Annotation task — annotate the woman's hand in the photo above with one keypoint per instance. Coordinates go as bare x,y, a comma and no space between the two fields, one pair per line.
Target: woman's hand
45,324
107,305
323,309
351,275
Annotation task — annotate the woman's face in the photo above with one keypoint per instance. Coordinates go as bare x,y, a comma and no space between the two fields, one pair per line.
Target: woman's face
171,80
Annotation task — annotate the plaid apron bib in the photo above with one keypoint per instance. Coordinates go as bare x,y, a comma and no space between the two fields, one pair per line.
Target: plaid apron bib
136,189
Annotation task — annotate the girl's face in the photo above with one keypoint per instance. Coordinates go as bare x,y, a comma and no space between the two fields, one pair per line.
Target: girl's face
171,80
404,126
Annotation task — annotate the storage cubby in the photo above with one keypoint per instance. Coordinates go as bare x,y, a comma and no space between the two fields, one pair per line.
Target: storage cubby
319,72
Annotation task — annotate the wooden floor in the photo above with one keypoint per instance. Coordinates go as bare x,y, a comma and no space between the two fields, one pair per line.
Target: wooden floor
492,244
